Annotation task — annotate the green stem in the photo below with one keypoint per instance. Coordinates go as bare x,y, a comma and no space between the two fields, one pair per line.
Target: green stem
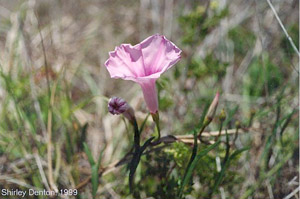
136,156
136,136
155,117
205,124
220,130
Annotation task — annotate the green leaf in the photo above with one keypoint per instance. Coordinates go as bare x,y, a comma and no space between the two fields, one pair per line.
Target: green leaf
95,181
83,136
286,122
95,168
100,157
89,154
237,152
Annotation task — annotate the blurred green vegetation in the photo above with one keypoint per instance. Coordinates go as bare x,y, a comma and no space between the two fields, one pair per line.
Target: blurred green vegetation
258,85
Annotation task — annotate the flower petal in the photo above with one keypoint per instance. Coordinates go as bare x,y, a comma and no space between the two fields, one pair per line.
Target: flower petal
125,62
159,54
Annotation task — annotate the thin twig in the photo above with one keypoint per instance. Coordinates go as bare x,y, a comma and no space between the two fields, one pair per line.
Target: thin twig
292,194
283,28
214,133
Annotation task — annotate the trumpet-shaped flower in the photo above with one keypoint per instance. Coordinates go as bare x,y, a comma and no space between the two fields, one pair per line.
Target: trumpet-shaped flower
143,64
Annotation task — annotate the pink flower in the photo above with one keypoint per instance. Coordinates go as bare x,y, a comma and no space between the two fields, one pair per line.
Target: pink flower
143,64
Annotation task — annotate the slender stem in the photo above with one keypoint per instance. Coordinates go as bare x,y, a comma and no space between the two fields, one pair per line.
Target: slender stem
158,130
250,120
235,135
205,124
194,153
136,156
220,130
227,149
200,133
283,28
223,165
136,136
155,117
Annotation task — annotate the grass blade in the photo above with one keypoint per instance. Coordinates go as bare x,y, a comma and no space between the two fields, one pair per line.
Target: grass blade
94,180
193,165
225,166
89,154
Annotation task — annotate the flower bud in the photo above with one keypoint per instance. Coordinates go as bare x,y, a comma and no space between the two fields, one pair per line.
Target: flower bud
212,109
222,115
117,106
237,124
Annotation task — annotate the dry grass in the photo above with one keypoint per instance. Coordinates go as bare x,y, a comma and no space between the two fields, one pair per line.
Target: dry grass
52,53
